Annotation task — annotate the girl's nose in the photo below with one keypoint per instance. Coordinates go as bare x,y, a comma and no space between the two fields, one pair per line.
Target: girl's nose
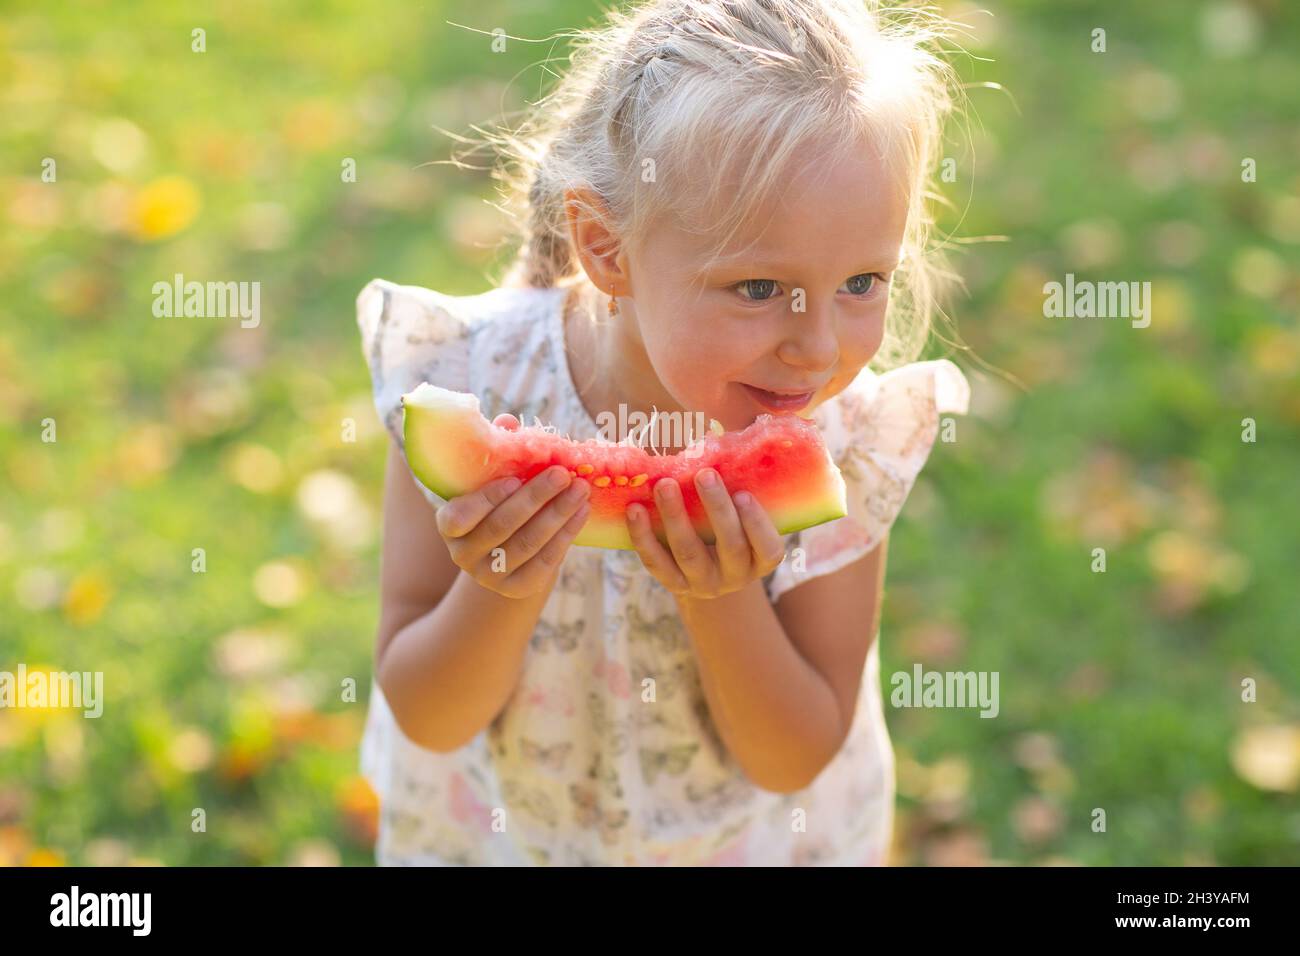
811,342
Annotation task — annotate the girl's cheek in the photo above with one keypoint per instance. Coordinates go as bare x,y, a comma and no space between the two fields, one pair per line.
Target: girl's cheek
704,355
867,343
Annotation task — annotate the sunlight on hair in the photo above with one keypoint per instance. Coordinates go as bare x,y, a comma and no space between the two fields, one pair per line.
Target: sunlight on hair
726,98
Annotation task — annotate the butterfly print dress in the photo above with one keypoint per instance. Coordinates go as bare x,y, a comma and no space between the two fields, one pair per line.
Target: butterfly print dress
606,753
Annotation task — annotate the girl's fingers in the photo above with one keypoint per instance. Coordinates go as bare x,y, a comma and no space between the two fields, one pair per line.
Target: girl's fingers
690,553
507,421
766,544
510,515
542,527
531,576
732,543
460,516
653,554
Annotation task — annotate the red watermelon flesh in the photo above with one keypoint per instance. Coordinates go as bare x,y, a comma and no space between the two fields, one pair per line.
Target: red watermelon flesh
780,459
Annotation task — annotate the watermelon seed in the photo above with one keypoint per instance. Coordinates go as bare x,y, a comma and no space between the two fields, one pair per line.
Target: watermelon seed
640,479
787,444
585,469
621,480
601,482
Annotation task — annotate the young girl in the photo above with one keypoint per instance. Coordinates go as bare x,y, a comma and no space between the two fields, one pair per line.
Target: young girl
721,198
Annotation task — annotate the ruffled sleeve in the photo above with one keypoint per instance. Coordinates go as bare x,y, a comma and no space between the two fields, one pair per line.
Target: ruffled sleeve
410,335
879,431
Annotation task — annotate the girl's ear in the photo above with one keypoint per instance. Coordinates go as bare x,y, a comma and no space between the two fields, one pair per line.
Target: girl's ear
596,244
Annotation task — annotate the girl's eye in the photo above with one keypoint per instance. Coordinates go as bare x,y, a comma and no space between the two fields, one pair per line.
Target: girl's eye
758,289
861,284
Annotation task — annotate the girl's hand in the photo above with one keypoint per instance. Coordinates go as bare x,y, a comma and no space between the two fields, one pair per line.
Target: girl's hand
512,539
748,546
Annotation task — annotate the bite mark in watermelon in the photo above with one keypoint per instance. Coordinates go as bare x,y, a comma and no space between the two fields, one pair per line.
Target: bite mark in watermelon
780,459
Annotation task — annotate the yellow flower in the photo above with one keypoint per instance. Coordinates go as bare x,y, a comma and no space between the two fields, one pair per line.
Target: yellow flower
43,856
164,207
39,703
86,598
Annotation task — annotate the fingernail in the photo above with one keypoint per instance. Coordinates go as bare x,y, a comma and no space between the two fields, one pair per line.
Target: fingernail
559,477
512,485
744,499
707,478
579,489
634,513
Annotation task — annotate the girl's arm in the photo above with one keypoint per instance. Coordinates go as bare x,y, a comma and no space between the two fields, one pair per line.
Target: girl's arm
782,683
449,651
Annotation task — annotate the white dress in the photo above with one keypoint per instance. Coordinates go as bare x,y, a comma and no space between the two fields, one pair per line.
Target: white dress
586,772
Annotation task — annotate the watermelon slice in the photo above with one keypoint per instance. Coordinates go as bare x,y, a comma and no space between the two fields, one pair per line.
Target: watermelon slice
780,459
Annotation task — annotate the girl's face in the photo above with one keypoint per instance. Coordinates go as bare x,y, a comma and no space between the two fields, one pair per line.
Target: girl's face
799,312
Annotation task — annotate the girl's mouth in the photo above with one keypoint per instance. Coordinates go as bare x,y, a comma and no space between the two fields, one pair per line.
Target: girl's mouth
777,401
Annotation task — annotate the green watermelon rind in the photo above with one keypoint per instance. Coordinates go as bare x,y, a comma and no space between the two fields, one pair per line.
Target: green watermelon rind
430,410
442,411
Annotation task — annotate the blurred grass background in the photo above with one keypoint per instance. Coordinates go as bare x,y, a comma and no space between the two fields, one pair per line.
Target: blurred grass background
1120,690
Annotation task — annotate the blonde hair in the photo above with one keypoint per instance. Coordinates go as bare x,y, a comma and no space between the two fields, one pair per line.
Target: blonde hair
744,89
